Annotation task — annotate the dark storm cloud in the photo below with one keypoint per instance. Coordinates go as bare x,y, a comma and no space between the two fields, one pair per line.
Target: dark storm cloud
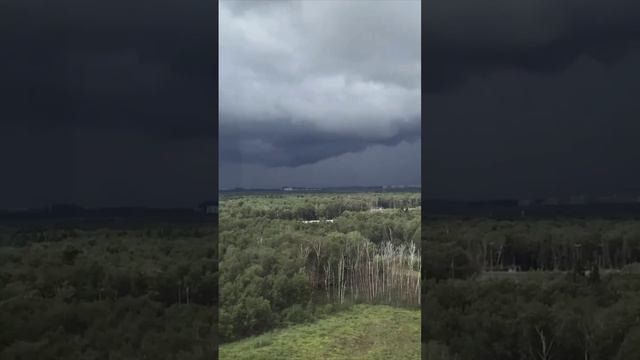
465,38
108,102
376,165
285,143
144,64
518,134
303,81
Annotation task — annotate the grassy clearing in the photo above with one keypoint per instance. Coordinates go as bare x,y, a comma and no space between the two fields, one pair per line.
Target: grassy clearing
362,332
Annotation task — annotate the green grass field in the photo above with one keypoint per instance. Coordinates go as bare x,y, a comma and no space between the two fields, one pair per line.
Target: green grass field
362,332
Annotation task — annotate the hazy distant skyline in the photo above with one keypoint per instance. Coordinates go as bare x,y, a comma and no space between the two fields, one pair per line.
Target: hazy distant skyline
319,93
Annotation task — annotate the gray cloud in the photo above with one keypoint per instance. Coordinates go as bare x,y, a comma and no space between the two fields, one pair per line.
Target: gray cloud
519,134
304,81
108,102
467,38
285,143
374,166
139,64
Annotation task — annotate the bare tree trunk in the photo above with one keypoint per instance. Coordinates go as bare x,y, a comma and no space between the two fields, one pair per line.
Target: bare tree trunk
545,349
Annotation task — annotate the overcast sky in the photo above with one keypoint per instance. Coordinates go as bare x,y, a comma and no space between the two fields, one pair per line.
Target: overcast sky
531,98
108,103
319,93
113,102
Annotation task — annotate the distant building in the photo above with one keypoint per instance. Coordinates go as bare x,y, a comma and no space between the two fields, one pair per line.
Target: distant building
291,188
208,207
316,221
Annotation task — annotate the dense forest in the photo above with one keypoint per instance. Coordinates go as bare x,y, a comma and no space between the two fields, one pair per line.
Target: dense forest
70,289
287,259
531,289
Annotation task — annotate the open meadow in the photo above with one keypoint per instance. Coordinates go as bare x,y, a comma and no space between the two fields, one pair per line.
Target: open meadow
361,332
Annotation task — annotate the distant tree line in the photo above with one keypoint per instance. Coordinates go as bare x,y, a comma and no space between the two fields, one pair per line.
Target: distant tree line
311,207
459,248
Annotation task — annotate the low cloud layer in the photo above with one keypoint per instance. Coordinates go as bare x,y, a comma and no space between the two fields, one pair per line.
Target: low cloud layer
303,81
376,165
